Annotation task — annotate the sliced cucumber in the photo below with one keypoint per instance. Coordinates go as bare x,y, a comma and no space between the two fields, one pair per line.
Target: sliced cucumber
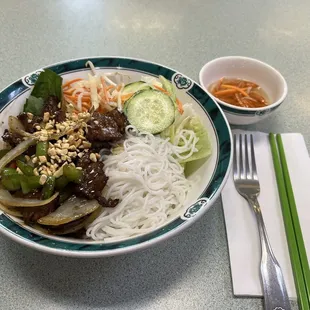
150,110
134,87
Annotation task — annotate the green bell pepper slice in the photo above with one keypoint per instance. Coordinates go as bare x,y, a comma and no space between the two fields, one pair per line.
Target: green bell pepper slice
42,148
8,171
29,183
61,182
11,182
25,169
48,187
72,174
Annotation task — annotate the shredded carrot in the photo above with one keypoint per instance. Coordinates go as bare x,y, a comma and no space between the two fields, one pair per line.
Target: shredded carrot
104,86
180,106
236,88
225,92
126,96
85,97
69,91
218,86
72,98
123,97
162,90
110,87
86,105
239,100
86,100
68,83
81,91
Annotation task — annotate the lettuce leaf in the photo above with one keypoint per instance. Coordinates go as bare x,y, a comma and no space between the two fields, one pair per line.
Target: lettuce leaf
189,120
34,105
47,84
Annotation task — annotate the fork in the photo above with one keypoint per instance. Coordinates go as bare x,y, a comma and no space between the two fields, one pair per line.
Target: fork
247,185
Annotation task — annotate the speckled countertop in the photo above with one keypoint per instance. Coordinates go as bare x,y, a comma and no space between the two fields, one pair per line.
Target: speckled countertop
191,271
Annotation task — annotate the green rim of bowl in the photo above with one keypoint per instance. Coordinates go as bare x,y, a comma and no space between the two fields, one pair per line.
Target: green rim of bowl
212,191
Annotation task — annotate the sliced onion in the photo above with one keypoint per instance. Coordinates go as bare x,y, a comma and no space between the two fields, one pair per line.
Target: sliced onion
71,210
10,211
18,150
8,200
69,228
16,126
74,226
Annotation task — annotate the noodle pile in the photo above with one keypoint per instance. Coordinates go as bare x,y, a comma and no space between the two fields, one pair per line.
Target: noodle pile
149,183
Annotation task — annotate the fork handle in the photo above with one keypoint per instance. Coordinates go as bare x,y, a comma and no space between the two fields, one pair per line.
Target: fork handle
275,293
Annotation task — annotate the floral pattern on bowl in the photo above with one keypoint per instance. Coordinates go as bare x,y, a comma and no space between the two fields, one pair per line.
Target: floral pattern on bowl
31,78
182,82
194,208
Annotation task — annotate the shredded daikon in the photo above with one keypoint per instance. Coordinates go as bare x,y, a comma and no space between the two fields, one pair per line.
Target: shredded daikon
79,101
93,92
108,80
91,66
151,80
119,100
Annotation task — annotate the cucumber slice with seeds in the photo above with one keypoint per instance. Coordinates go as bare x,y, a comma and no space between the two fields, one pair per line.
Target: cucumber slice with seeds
150,110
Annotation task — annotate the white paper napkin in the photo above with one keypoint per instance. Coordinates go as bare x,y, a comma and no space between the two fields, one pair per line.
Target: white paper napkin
242,233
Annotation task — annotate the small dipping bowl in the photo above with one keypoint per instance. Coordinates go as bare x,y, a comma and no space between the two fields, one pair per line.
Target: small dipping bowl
253,70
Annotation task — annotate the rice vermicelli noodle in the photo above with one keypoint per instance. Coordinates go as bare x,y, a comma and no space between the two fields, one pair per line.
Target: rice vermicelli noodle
149,182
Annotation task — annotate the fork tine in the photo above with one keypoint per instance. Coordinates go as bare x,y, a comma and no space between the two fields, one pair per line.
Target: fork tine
236,172
241,167
254,171
247,163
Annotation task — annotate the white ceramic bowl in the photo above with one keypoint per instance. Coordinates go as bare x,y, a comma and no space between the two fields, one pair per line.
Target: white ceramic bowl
250,69
211,173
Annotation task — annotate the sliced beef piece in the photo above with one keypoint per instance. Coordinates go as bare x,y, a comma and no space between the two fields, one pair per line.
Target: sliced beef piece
60,116
84,162
31,150
14,139
93,182
107,203
35,194
31,215
106,127
51,106
119,118
97,146
29,124
11,138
